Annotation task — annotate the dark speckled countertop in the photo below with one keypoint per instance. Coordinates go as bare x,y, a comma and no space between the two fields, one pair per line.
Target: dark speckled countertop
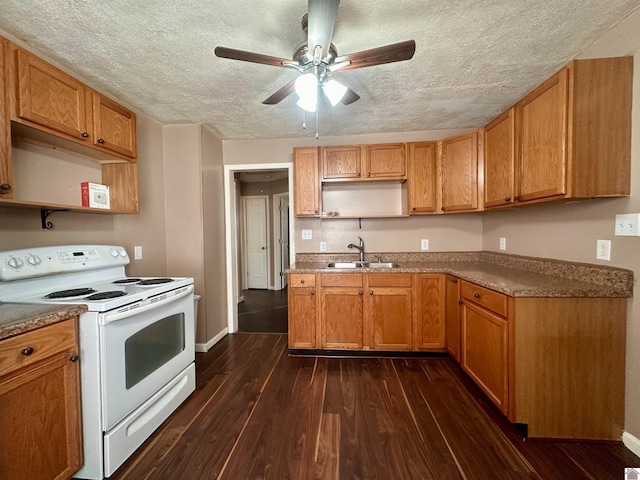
512,275
17,318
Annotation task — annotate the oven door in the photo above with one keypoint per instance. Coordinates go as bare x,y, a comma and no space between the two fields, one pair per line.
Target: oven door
144,349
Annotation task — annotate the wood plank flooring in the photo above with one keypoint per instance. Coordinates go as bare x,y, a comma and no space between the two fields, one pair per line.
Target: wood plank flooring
263,311
259,414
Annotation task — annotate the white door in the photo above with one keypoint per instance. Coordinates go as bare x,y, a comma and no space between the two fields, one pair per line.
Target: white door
284,239
256,234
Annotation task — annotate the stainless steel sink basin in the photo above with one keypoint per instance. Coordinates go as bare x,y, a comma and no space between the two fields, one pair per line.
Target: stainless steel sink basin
362,265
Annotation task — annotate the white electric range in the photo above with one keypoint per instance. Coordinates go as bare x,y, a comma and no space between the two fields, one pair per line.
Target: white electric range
137,341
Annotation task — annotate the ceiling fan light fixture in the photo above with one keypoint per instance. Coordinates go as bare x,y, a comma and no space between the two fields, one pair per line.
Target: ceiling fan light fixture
334,91
307,104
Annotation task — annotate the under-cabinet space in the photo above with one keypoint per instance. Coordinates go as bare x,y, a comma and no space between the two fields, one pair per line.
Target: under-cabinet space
355,200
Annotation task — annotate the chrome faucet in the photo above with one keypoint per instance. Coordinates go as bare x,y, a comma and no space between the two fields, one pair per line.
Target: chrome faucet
359,247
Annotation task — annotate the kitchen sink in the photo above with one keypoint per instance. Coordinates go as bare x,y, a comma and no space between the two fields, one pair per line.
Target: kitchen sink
362,265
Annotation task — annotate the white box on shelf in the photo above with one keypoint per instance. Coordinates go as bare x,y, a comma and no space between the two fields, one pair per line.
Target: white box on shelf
95,195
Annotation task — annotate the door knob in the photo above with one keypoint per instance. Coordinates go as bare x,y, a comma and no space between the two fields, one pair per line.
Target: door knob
263,248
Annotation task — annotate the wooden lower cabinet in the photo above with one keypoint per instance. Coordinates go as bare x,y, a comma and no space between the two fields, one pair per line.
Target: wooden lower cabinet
303,310
388,311
429,312
485,354
341,318
453,305
40,428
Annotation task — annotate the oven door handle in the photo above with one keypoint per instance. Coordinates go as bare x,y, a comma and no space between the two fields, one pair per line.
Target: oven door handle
146,305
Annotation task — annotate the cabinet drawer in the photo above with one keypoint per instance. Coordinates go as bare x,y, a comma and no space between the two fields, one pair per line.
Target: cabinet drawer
302,280
341,280
390,280
494,301
42,343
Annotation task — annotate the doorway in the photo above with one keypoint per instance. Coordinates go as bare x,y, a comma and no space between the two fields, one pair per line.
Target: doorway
257,203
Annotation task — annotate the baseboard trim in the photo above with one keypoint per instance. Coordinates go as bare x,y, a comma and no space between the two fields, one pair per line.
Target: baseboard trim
240,299
204,347
631,442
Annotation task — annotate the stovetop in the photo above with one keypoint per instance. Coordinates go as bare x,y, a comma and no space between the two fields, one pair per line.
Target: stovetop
92,275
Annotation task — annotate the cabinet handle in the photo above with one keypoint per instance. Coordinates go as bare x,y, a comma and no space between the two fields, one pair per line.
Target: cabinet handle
459,302
27,351
476,295
508,199
5,187
73,358
313,292
360,292
100,141
369,174
370,292
358,174
302,281
85,135
442,208
414,209
516,198
455,280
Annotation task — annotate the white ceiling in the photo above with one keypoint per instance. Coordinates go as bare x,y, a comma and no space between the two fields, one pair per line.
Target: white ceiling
473,58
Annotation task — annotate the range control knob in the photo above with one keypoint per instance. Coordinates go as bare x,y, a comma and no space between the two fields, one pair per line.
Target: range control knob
114,253
33,260
14,262
123,253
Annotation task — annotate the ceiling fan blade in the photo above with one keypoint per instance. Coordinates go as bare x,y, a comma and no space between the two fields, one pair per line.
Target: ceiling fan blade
395,52
349,97
322,19
281,94
233,54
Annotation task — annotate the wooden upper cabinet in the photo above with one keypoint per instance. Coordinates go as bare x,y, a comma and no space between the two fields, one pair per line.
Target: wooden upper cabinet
542,122
6,183
343,162
459,165
306,185
49,97
574,133
499,160
421,177
384,161
114,126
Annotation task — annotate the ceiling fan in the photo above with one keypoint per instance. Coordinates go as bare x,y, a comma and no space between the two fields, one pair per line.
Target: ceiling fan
317,59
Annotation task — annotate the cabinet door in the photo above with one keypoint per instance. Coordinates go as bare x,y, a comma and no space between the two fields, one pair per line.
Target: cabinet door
114,126
385,161
50,98
389,318
341,318
40,429
6,185
499,160
485,352
421,177
341,162
302,318
542,123
460,173
306,185
429,318
453,303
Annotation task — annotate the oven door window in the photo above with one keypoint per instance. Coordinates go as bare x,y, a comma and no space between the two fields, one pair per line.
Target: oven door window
153,346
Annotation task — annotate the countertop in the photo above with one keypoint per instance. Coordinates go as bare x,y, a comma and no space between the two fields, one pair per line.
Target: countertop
509,274
17,318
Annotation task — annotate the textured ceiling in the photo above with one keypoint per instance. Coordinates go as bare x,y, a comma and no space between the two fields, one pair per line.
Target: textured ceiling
473,58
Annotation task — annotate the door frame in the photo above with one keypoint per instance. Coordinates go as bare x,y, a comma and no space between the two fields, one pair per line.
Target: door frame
278,282
231,231
243,253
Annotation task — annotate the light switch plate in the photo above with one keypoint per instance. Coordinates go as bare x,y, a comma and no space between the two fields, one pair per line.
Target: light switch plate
137,252
306,234
503,243
424,244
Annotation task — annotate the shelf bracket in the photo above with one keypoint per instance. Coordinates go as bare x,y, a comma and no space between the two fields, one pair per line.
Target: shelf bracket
44,213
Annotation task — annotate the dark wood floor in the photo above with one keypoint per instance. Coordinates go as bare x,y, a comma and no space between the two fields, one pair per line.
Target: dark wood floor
263,311
258,413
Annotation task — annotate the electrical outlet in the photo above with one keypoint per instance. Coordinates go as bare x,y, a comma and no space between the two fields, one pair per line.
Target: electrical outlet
424,244
306,234
503,243
137,252
323,246
628,225
603,249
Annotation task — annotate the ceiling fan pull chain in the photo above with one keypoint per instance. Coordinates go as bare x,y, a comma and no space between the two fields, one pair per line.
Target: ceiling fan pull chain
304,120
317,135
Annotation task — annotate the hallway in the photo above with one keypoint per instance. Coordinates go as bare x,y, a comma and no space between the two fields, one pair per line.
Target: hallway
263,311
